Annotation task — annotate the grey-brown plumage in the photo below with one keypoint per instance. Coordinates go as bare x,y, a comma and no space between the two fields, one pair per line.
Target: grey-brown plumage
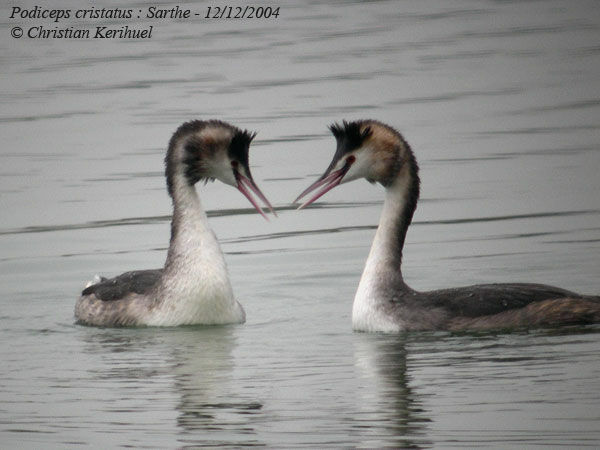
137,281
384,302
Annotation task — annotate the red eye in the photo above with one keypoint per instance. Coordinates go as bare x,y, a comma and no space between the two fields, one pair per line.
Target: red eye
350,159
234,164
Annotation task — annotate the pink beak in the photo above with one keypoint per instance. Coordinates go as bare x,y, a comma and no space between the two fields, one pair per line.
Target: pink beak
246,186
327,181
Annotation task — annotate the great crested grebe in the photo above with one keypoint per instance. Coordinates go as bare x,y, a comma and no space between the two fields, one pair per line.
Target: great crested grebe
193,286
383,302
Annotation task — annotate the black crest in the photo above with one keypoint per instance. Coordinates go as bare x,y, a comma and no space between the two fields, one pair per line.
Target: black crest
240,143
349,134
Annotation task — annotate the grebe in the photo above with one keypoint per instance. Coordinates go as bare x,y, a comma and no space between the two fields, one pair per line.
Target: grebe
383,302
193,286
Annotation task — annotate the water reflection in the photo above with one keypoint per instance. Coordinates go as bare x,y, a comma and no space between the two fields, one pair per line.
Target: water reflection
195,363
202,367
395,416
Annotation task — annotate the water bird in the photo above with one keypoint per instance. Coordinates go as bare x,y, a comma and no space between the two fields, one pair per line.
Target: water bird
384,302
193,287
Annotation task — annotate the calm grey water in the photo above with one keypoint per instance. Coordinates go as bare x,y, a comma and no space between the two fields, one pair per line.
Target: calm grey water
500,101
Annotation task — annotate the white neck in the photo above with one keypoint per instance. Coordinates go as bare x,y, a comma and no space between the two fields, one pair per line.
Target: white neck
386,250
189,225
382,275
195,282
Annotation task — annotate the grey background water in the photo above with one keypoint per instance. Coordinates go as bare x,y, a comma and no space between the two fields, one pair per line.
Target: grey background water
500,101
